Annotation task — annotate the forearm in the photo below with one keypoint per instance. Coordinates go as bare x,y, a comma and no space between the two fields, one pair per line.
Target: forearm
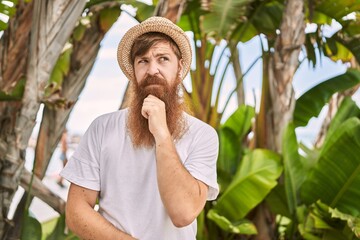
86,223
183,196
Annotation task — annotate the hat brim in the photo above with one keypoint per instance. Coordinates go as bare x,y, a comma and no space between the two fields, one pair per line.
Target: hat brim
153,24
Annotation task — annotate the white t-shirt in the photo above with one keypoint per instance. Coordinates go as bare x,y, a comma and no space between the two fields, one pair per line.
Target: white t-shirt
125,177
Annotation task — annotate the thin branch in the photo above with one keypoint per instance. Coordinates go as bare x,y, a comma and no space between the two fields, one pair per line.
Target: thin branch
238,83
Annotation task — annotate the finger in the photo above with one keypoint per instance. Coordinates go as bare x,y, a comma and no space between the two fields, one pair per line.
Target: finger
144,112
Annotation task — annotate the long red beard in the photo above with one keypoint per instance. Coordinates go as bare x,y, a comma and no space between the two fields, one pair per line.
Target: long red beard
138,125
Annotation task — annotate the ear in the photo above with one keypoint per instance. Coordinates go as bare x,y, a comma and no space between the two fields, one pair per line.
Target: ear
181,67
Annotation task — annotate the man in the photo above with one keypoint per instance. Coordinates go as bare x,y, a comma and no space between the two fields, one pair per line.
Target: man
152,166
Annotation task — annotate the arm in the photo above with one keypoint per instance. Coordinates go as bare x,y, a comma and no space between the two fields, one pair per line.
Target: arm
183,196
84,221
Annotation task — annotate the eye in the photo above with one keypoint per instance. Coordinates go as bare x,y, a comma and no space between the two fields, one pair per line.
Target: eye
142,61
163,59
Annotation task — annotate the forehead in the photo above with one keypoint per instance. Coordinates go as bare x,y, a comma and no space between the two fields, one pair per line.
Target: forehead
162,47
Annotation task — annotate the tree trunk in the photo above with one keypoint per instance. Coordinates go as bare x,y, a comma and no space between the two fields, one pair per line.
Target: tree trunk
54,119
14,47
52,24
283,63
282,66
170,9
83,56
235,58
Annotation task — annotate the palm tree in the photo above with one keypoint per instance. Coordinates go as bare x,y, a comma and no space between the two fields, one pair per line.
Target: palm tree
40,50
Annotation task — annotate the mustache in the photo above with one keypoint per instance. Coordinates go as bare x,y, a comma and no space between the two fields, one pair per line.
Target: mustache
152,80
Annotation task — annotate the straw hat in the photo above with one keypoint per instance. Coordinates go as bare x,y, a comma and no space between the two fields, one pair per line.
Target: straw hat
153,24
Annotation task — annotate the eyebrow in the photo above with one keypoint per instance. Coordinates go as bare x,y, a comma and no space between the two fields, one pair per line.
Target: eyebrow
156,55
161,54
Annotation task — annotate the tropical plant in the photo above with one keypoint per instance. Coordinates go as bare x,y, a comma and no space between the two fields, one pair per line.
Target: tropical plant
218,23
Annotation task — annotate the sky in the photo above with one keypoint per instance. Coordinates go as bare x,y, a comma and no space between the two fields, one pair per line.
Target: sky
106,84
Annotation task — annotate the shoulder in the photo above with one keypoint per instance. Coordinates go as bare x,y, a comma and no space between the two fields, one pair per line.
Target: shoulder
196,124
112,118
196,127
106,124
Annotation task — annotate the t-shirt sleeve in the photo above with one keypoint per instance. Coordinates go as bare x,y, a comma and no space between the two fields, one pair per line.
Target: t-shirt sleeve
83,167
201,162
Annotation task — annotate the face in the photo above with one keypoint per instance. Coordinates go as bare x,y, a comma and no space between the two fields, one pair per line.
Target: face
157,73
160,62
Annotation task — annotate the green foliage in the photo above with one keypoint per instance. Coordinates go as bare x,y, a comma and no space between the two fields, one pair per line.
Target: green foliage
332,181
59,231
351,43
240,227
337,172
231,134
337,9
31,228
224,15
323,222
16,94
143,10
256,176
80,29
337,51
52,93
347,109
310,103
61,69
310,49
293,168
352,222
7,8
107,17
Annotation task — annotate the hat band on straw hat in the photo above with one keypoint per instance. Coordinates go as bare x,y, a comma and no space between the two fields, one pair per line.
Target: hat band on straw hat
153,24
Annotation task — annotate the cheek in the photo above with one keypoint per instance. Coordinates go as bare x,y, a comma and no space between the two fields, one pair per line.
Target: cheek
139,74
173,74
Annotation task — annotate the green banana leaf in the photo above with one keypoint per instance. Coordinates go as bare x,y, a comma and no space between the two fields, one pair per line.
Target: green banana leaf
336,51
310,103
224,15
240,121
337,9
347,109
256,177
31,229
352,222
108,17
59,231
143,10
349,42
329,223
351,27
264,19
277,201
7,10
335,179
16,94
241,227
190,19
231,135
293,168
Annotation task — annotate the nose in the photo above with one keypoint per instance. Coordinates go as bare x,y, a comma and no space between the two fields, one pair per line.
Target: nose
153,68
